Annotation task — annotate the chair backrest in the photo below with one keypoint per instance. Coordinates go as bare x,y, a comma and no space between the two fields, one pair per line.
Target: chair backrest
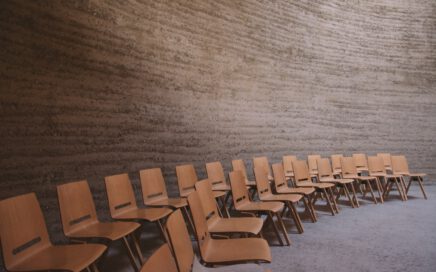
262,182
205,193
215,173
348,166
324,168
376,164
239,190
239,165
23,231
76,205
200,224
186,179
336,162
312,162
399,164
262,162
180,241
287,164
152,185
386,159
160,260
120,194
360,160
301,171
279,177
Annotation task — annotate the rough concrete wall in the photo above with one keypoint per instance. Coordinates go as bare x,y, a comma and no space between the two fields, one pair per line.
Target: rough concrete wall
94,88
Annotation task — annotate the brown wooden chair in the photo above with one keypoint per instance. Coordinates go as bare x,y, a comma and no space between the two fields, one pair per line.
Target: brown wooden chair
304,179
161,260
186,179
215,174
239,165
281,187
224,226
386,161
360,162
401,167
122,203
336,164
325,174
243,204
290,200
26,245
313,166
184,253
262,162
349,171
80,222
287,166
225,251
377,169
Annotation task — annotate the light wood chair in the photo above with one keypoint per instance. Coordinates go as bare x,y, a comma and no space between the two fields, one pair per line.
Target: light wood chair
325,174
224,226
377,169
262,163
80,222
243,204
216,176
281,187
184,253
336,164
401,167
303,179
287,167
239,165
290,200
313,166
122,203
26,245
349,171
387,161
360,162
224,251
154,193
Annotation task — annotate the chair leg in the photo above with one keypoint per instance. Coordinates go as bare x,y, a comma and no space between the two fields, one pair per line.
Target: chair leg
275,227
188,217
339,193
408,186
315,198
162,231
400,190
420,182
332,195
94,267
354,195
130,253
378,186
403,186
347,193
138,248
371,191
308,209
282,224
312,207
295,216
328,200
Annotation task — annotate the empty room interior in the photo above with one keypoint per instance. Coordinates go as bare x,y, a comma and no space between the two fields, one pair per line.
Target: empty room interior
218,136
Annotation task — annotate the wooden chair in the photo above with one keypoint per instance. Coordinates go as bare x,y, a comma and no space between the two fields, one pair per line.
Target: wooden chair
377,169
360,162
325,174
184,253
26,245
349,171
215,174
186,179
224,226
265,194
281,187
122,203
239,165
304,179
336,164
401,167
80,222
313,166
224,251
154,193
262,163
386,161
243,204
287,166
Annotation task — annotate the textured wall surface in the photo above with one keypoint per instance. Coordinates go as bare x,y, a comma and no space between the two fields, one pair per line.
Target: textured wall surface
94,88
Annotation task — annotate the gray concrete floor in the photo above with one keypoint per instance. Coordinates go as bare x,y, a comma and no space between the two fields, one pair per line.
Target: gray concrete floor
394,236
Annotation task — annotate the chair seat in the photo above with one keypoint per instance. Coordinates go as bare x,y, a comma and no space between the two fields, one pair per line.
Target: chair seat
333,180
414,174
251,225
109,230
315,185
219,194
236,250
282,197
261,206
169,202
250,183
221,187
149,214
289,174
385,175
197,267
359,177
301,190
66,257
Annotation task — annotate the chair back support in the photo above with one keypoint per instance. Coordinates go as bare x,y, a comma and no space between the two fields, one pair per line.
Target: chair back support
336,162
324,168
76,205
386,159
262,162
399,164
239,190
279,177
360,160
348,167
262,182
205,193
239,165
287,164
200,223
376,164
186,179
160,260
120,194
215,173
301,171
152,185
23,231
180,241
312,161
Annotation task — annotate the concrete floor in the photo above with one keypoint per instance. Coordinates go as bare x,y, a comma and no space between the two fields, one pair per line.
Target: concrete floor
394,236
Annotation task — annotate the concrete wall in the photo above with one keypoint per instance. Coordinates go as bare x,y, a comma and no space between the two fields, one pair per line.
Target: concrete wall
94,88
